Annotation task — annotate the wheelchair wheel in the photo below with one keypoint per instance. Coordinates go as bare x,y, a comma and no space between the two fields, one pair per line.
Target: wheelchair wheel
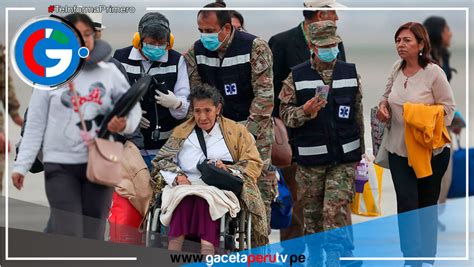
155,232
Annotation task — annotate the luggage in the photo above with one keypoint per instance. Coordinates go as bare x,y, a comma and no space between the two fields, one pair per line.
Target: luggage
282,206
458,183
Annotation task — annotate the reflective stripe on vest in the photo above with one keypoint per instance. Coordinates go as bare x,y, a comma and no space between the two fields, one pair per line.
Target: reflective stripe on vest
153,71
312,150
301,85
320,150
227,62
344,83
208,61
308,84
162,70
236,60
131,69
351,146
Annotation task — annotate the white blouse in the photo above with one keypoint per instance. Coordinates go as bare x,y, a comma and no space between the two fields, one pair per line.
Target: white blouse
428,86
191,154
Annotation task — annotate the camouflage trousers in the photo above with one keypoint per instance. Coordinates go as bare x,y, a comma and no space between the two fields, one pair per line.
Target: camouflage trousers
326,192
267,183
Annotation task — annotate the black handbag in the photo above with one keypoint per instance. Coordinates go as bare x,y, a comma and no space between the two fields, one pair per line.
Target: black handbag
212,175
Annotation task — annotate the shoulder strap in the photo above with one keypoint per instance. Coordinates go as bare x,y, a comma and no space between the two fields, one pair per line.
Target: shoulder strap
393,75
75,102
202,142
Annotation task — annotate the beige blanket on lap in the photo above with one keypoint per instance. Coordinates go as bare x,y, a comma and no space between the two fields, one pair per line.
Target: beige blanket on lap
220,201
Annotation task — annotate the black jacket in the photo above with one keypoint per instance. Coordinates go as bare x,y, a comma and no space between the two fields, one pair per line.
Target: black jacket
289,49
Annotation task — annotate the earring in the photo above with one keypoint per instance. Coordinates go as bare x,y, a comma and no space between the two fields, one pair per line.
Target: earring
420,53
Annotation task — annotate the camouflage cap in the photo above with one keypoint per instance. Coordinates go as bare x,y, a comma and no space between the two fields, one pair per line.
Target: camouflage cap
323,33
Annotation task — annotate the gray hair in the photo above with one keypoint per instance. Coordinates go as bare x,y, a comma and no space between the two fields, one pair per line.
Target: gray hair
206,91
154,25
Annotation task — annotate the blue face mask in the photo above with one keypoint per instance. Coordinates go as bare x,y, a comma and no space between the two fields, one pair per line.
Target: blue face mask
153,52
328,54
211,40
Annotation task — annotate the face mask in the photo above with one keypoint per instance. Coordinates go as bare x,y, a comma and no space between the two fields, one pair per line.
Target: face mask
211,40
328,54
153,52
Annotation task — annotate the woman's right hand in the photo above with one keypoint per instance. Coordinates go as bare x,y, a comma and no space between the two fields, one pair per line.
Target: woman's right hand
17,180
383,113
182,180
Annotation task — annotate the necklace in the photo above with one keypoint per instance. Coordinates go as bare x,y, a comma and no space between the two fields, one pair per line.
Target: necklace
409,76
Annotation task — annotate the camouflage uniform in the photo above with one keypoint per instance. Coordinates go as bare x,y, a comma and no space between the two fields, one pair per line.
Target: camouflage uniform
13,104
326,190
259,123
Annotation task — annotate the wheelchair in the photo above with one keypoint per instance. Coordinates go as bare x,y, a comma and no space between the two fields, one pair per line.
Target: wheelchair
234,233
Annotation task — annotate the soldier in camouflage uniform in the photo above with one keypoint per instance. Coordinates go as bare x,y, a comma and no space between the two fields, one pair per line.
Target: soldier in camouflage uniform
328,137
13,106
239,65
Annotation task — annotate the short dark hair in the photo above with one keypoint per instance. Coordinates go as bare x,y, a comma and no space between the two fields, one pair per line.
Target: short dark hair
309,14
206,91
236,14
74,18
223,16
421,36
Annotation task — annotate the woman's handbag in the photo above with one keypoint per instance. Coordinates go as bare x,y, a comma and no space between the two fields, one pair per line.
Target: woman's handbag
212,175
382,156
104,156
281,149
379,133
103,163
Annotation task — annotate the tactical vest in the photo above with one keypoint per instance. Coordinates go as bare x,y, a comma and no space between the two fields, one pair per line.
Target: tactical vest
166,72
232,75
333,136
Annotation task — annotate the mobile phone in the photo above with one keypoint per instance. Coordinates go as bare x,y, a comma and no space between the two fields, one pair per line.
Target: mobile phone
322,91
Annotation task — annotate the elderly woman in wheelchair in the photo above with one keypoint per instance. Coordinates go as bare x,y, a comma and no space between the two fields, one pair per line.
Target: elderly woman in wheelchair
189,206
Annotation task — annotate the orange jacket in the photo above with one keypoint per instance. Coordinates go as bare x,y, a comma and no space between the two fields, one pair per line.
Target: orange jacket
424,131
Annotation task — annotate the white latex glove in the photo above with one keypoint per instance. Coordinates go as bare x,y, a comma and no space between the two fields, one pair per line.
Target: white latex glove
144,123
167,100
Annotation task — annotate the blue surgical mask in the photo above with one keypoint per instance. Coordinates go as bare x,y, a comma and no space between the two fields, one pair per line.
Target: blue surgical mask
211,40
328,54
153,52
